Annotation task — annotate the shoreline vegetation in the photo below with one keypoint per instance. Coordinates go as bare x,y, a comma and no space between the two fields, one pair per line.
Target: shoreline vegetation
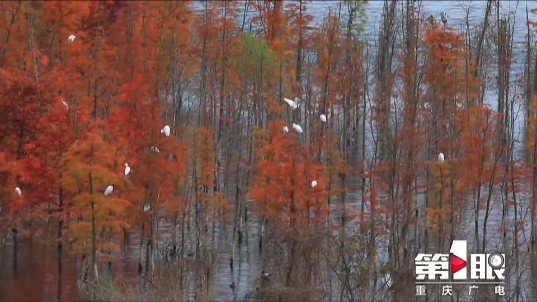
173,133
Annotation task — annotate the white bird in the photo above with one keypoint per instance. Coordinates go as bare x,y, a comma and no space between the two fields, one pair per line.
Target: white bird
147,207
166,130
314,184
443,17
108,190
441,157
297,128
155,149
127,169
285,129
323,117
18,191
71,38
64,104
291,103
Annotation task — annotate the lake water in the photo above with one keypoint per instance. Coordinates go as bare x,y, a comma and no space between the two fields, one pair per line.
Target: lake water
36,276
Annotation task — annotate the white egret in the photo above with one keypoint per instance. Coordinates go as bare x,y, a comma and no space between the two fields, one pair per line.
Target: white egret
285,129
71,38
291,103
166,130
18,191
441,157
443,17
314,184
323,117
109,190
155,149
147,207
297,128
64,104
127,169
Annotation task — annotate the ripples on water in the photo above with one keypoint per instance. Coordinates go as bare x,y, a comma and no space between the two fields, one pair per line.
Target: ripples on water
37,276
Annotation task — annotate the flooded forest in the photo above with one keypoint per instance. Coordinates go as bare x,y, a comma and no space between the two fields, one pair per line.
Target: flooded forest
261,150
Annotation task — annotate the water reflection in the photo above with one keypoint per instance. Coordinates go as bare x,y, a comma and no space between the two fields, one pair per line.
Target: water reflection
43,273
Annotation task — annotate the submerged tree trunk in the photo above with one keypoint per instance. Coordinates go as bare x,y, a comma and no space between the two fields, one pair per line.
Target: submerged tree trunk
93,232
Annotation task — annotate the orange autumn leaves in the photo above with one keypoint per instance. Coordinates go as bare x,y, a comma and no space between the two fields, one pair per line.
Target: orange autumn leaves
285,171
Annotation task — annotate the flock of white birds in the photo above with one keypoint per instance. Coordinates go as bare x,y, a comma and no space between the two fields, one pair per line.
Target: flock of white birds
166,131
110,189
298,129
295,104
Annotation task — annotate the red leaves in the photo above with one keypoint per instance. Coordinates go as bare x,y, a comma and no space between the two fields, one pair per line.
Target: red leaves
22,102
480,139
284,175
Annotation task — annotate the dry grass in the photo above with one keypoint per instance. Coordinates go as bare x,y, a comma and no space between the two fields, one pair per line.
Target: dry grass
120,290
164,286
169,282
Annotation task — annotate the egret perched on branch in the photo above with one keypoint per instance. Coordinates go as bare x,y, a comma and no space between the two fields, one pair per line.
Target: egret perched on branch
323,117
166,130
285,129
441,157
297,128
18,191
127,169
314,184
155,149
147,207
71,39
291,103
443,17
109,190
64,104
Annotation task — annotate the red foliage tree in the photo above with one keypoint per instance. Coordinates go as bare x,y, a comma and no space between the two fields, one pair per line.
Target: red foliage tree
284,174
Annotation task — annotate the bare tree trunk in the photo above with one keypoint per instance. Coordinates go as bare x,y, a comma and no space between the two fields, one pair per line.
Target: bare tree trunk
384,72
479,52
